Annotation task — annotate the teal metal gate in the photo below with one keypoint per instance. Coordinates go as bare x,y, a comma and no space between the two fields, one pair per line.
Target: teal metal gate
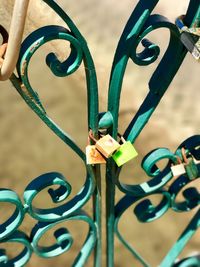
184,37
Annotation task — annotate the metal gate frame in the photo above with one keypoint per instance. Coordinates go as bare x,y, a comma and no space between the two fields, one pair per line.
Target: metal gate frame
140,23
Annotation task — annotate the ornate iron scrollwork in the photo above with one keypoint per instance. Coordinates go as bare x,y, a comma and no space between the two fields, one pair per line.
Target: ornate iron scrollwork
140,24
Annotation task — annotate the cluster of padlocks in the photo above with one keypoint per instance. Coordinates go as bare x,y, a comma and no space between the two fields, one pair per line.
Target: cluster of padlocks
107,147
186,165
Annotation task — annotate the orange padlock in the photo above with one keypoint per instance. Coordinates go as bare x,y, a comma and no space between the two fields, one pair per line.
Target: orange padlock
93,156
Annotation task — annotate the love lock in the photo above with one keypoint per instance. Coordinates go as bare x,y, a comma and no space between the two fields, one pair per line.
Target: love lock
190,37
106,145
179,168
93,156
125,153
190,166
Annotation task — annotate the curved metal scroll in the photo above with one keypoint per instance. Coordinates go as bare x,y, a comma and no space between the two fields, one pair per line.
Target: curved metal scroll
67,210
139,25
47,219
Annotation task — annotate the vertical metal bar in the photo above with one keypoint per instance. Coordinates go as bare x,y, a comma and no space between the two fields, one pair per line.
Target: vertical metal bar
110,219
136,21
193,13
97,212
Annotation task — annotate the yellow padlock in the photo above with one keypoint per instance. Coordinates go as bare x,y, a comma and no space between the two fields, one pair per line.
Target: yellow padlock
106,145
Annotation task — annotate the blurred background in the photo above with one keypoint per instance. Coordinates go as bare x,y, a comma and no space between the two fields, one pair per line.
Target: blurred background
29,148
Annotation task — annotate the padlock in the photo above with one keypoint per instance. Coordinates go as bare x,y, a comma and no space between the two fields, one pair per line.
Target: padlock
106,145
190,37
125,153
192,43
191,168
178,169
93,156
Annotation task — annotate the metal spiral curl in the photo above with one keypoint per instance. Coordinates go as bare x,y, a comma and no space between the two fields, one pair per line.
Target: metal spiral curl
159,178
189,261
57,196
47,219
38,38
139,25
145,211
79,53
67,210
10,225
23,257
148,55
191,194
64,240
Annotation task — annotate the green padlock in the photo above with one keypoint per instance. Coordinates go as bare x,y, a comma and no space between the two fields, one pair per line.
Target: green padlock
125,153
191,168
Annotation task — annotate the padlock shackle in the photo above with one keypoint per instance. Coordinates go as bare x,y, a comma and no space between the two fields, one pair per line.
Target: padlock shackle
184,28
180,23
121,138
184,155
179,160
91,136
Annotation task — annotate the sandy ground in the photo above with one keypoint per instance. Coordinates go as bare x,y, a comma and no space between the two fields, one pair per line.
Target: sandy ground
28,148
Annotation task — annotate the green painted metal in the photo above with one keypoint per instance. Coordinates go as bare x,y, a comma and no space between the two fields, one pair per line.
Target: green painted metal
140,23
